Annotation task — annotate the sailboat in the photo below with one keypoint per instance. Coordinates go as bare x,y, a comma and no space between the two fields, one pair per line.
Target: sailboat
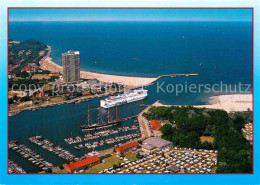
100,125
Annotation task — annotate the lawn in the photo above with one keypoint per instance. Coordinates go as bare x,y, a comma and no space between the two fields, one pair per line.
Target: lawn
41,76
56,100
41,53
47,87
17,93
18,78
131,156
107,164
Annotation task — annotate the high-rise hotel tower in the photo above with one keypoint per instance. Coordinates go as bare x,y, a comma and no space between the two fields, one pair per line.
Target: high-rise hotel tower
71,66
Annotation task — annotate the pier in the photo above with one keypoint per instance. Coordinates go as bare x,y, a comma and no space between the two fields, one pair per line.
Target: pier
57,150
176,75
30,155
14,168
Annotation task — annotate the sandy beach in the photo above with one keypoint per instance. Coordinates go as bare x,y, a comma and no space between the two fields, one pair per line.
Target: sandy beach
229,103
130,81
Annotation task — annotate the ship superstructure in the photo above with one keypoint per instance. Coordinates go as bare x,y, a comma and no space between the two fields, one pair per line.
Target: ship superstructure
127,97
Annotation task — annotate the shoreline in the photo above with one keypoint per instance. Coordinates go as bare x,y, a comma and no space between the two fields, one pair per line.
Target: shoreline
129,81
229,103
75,100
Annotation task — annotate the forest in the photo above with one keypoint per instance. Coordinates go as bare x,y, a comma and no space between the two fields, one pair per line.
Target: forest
25,52
188,124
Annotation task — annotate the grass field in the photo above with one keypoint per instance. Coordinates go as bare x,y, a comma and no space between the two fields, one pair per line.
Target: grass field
17,93
18,78
47,87
56,100
41,76
131,156
107,164
207,138
41,53
25,104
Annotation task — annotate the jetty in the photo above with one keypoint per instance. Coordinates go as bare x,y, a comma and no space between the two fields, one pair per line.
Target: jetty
176,75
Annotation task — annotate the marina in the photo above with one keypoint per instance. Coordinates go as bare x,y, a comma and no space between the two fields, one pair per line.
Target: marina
83,142
47,145
99,134
116,140
14,168
30,155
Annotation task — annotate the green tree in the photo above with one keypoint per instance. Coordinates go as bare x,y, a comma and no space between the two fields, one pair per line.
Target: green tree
166,129
114,166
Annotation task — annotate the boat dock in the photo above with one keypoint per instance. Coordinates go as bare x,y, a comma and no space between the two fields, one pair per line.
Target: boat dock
57,150
14,168
30,155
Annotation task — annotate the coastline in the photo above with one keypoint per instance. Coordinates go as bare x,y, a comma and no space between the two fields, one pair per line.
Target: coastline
75,100
129,81
46,63
229,103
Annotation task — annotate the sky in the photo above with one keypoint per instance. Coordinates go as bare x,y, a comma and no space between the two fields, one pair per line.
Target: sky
130,14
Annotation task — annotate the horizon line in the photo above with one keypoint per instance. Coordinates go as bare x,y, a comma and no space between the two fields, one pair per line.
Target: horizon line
129,20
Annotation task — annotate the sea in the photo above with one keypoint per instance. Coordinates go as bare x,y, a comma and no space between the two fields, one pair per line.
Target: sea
220,51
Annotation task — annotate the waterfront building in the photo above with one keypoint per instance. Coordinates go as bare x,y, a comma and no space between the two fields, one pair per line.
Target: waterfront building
156,143
71,66
127,147
82,164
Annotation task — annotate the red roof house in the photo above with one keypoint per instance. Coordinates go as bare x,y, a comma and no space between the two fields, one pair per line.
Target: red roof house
30,67
126,147
155,124
90,161
27,69
86,93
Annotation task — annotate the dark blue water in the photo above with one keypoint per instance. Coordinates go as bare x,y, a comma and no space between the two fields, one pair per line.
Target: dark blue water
219,51
148,48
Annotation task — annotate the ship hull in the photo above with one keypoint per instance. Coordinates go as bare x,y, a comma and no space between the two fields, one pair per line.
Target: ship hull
89,128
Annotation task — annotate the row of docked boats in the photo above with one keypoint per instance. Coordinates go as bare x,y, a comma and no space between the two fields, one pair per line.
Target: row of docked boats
30,155
14,168
109,141
99,134
48,145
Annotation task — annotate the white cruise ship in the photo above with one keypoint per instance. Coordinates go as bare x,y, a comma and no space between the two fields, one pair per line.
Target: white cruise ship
127,97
